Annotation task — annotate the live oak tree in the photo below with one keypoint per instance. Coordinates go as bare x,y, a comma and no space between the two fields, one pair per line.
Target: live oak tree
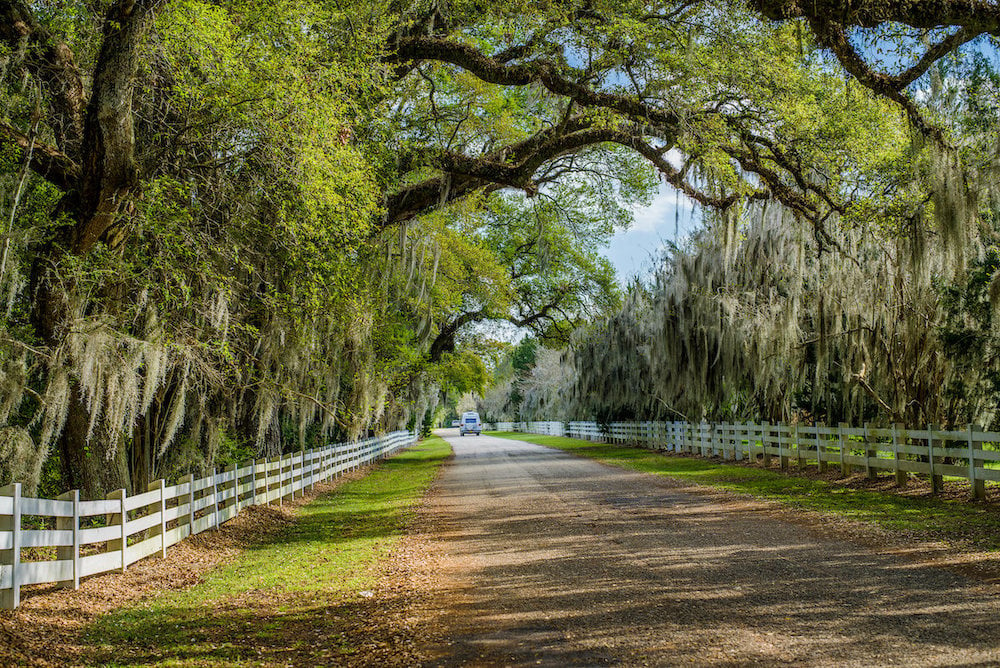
184,243
547,275
209,204
764,322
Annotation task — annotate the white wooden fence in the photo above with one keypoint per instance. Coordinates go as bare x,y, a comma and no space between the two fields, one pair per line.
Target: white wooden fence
137,526
549,428
969,453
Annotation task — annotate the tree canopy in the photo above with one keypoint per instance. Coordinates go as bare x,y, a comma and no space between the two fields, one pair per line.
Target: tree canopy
263,225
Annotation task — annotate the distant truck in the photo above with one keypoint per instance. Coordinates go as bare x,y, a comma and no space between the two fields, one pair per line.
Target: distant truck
470,424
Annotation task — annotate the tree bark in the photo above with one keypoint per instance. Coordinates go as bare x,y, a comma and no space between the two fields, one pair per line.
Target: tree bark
95,467
98,193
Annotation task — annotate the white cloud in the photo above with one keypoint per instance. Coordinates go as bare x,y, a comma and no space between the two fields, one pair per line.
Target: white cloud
635,251
667,209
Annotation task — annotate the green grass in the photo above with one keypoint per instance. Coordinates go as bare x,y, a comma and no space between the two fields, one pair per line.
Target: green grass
293,593
952,521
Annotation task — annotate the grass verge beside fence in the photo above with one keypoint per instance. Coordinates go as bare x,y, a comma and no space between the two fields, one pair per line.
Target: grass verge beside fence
974,526
292,596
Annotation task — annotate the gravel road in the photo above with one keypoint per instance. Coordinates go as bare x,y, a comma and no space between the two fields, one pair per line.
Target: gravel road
549,559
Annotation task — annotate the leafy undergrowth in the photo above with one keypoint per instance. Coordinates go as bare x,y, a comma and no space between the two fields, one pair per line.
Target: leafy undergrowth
298,598
973,525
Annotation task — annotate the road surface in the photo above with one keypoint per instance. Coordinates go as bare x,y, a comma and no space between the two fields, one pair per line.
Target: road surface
555,560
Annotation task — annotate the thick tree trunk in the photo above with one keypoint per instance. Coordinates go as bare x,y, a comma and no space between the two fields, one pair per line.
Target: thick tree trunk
95,467
99,192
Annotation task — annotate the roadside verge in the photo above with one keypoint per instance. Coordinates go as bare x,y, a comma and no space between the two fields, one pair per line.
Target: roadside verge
276,586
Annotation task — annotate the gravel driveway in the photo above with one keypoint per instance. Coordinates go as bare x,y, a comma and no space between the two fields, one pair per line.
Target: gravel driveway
549,559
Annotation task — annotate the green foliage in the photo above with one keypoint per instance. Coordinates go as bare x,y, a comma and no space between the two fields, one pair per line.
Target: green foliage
254,285
462,372
523,355
969,339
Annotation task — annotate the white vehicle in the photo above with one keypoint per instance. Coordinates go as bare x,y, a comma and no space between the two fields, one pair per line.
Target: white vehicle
470,424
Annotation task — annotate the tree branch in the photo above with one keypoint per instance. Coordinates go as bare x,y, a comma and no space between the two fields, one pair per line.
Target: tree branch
52,62
832,36
976,15
46,161
491,70
110,174
932,55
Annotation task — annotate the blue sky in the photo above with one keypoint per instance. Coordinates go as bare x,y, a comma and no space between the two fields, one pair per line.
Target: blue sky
634,251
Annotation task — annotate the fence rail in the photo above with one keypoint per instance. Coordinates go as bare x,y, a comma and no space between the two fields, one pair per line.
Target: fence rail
969,453
148,523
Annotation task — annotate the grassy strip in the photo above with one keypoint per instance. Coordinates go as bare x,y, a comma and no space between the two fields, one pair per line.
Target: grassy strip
285,596
973,525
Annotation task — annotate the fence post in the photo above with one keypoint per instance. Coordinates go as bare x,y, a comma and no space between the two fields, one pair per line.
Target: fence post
215,500
162,504
299,473
268,463
253,480
312,469
900,474
234,484
937,481
765,431
281,479
782,452
70,552
119,519
820,448
800,459
978,484
743,434
280,459
296,472
11,598
870,471
844,466
189,518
